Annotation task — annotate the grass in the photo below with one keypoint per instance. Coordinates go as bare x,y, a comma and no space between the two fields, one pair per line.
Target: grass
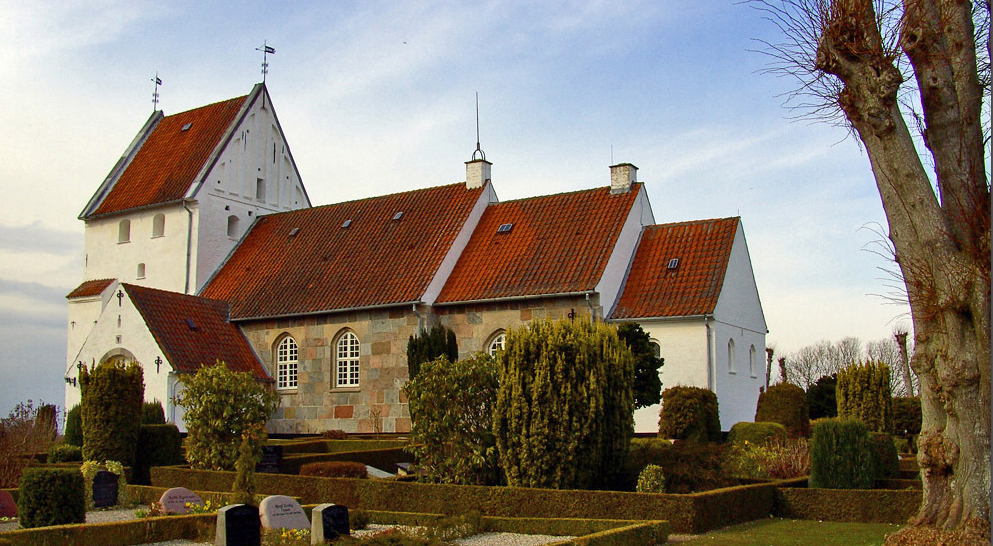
787,532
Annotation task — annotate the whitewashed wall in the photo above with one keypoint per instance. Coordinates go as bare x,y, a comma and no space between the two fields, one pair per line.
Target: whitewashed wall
684,347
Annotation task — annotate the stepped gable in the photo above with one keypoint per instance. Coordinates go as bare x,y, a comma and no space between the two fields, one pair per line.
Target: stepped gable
194,331
167,163
556,244
308,261
692,287
90,288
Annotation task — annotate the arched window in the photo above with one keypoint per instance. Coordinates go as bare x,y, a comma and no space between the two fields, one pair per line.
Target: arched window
141,271
751,360
656,348
497,343
731,355
124,231
347,361
233,231
158,225
286,363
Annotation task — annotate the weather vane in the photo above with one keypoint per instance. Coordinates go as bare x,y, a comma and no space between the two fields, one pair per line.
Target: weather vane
266,50
155,94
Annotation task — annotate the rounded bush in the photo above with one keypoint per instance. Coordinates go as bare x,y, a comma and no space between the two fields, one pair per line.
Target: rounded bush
757,433
74,426
786,404
651,480
51,496
690,413
64,453
840,455
335,469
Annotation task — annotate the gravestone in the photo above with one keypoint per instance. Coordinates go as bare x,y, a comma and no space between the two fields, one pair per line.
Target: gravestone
272,457
282,512
238,525
104,489
8,508
174,500
330,522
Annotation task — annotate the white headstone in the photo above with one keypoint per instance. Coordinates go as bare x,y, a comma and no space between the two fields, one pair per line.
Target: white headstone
282,512
174,500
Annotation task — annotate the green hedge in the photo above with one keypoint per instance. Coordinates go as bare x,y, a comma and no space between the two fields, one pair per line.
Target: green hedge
885,459
756,433
786,404
692,513
840,455
124,533
51,496
313,446
158,445
862,506
383,459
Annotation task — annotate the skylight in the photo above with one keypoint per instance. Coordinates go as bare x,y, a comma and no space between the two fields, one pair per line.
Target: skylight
504,228
346,223
674,263
294,231
192,325
398,215
186,127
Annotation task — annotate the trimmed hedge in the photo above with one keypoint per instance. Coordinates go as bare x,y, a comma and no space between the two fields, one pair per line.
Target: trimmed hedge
64,453
690,413
158,445
112,394
315,446
51,496
335,469
692,513
786,404
840,455
383,459
125,533
861,506
756,433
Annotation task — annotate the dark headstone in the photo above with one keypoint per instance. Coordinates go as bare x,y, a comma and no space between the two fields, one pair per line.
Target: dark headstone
8,508
238,525
328,522
104,489
174,500
272,456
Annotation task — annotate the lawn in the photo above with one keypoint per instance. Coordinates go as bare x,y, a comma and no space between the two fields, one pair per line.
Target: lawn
787,532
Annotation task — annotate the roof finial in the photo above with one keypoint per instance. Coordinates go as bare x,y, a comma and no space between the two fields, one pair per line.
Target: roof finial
266,50
482,155
155,94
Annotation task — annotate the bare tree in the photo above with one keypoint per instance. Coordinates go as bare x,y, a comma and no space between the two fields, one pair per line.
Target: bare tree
769,351
848,55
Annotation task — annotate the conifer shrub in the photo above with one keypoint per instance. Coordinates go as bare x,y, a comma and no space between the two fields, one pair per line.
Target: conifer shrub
864,394
690,413
428,346
158,445
840,455
906,416
74,426
786,404
651,480
243,488
45,421
112,393
757,433
64,453
51,496
152,413
335,469
885,459
821,397
564,413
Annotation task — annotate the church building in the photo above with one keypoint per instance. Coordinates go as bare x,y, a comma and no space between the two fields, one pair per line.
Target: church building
202,246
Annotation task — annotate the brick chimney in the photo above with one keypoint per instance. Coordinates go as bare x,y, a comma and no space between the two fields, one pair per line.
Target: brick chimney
477,173
622,176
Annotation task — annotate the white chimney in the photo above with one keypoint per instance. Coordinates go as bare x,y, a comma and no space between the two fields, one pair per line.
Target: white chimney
477,173
622,176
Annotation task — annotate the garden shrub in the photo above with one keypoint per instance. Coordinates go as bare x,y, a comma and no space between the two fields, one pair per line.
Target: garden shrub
780,459
45,421
757,433
158,445
451,412
74,426
20,440
864,394
335,469
647,383
243,488
152,413
906,416
428,346
564,414
334,434
112,393
790,459
690,413
51,496
221,405
643,452
651,480
786,404
821,397
64,453
840,455
885,459
692,466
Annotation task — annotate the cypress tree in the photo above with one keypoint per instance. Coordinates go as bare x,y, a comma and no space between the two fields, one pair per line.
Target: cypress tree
112,393
863,393
427,346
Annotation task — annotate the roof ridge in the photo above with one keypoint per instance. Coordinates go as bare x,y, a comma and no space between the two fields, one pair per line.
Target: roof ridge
692,222
564,193
131,287
188,110
366,199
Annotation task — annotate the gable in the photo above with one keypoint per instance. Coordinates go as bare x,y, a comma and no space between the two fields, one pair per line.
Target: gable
309,261
556,244
693,287
739,303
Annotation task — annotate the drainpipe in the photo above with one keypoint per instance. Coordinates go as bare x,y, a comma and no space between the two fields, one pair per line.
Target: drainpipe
711,373
592,312
420,328
189,243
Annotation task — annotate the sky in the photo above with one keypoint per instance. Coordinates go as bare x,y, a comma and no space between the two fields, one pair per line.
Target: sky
379,97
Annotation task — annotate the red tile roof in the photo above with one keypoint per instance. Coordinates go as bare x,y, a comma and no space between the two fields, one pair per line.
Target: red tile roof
557,244
165,166
90,288
194,331
322,266
702,247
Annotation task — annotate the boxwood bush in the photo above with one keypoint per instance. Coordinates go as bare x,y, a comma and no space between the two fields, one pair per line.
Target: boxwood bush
756,433
51,496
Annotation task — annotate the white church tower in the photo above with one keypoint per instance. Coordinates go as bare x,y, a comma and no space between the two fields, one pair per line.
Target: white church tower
176,203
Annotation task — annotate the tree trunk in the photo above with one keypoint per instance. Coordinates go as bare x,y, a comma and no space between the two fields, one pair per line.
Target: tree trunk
901,343
942,247
768,364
